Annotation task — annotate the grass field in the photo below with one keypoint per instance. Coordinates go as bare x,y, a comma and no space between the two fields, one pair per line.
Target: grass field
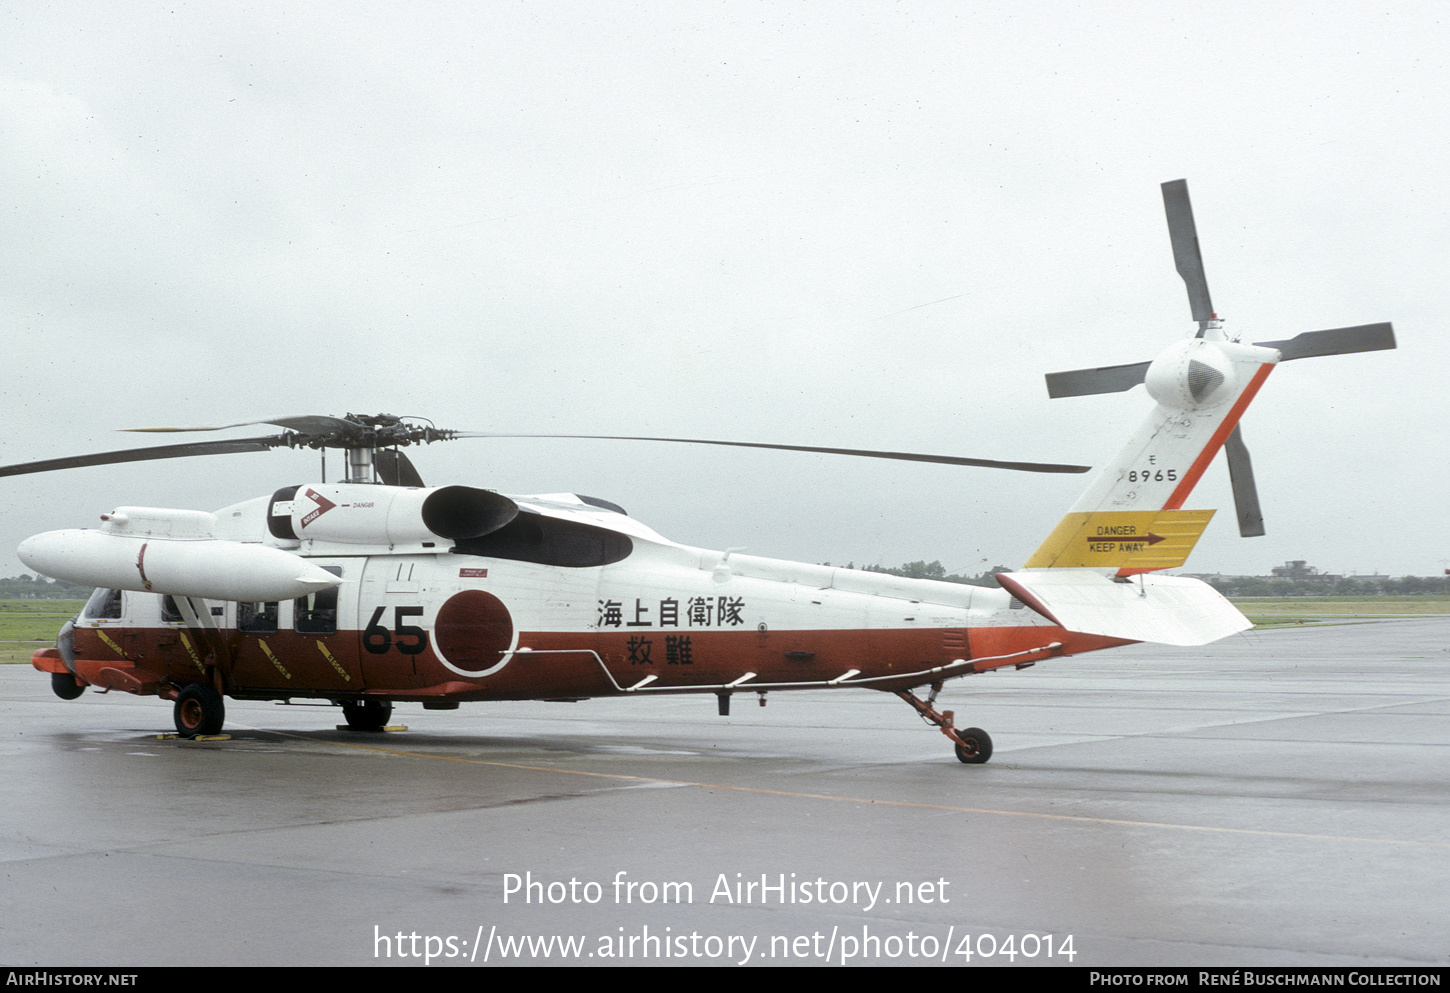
26,625
1278,611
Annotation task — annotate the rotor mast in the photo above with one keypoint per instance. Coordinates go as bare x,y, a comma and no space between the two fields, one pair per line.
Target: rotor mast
360,465
364,437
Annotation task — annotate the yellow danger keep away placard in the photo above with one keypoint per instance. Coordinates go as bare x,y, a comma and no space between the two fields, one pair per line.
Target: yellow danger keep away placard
1135,539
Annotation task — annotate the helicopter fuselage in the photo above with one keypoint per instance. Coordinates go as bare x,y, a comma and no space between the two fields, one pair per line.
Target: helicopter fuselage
570,600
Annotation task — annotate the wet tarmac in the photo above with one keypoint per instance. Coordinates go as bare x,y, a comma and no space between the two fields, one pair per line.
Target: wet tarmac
1280,798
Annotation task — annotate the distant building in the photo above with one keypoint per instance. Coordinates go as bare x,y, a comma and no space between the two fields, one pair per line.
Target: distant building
1300,569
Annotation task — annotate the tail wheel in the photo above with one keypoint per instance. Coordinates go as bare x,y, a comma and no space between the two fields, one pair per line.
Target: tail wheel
367,715
978,747
199,710
65,685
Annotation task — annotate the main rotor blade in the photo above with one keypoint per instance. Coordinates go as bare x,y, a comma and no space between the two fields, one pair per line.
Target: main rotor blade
1186,255
865,453
1246,494
1335,341
307,423
395,469
147,454
1104,379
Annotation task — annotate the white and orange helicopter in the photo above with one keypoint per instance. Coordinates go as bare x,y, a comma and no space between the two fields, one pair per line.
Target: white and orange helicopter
381,590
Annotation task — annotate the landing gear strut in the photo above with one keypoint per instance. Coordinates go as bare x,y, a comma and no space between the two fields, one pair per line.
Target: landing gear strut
973,745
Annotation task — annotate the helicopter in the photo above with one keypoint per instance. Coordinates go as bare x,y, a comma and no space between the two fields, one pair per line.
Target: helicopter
379,589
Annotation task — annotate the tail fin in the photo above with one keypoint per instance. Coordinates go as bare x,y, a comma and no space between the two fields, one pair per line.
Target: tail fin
1131,516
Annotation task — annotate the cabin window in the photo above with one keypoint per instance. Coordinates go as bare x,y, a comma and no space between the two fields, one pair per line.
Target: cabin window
316,613
170,612
257,618
104,605
550,541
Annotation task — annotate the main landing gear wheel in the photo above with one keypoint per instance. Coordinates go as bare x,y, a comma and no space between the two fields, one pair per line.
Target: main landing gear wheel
65,685
367,715
978,747
199,710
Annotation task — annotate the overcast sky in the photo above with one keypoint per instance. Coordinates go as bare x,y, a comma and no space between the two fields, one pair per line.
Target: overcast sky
859,224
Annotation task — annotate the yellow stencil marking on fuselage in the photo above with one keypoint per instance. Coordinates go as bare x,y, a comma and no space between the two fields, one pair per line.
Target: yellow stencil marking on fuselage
107,639
191,651
335,664
273,659
1134,539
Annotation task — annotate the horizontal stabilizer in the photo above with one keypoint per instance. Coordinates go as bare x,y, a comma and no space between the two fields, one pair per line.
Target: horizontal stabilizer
1167,610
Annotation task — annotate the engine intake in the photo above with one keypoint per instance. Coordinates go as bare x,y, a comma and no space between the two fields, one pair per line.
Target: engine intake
358,514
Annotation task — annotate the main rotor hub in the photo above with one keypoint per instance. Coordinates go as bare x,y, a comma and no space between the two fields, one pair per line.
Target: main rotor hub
362,436
363,431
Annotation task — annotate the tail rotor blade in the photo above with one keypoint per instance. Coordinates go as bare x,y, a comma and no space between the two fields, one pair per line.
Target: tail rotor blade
1335,341
1186,256
1246,494
1105,379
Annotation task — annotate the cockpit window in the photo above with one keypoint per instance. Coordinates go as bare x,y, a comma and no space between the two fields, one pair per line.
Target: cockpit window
104,605
550,541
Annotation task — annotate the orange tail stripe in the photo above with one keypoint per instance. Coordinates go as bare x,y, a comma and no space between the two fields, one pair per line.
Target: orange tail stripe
1190,479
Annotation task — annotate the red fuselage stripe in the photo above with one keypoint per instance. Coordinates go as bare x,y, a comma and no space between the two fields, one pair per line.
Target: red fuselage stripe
562,663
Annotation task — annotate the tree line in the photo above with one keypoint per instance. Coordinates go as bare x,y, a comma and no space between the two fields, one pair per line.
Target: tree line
1232,586
24,587
937,571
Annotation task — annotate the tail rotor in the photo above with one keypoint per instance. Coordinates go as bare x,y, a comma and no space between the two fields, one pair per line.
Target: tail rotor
1188,258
